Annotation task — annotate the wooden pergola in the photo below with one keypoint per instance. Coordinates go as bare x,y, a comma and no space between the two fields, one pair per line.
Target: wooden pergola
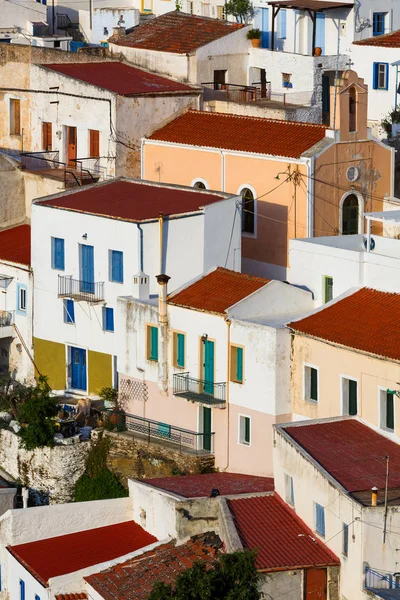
310,6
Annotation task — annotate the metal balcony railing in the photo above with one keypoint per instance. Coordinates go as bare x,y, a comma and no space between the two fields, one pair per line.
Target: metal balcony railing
184,439
381,580
199,390
77,289
6,318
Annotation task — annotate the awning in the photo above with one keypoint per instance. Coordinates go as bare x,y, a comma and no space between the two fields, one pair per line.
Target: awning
385,215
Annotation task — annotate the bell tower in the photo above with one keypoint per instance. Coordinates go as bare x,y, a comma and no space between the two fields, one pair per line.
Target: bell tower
350,117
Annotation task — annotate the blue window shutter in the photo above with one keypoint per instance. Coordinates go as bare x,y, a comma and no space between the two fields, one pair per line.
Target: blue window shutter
387,76
320,519
58,258
69,311
154,343
21,589
375,68
320,32
239,364
117,266
108,318
180,359
282,28
37,597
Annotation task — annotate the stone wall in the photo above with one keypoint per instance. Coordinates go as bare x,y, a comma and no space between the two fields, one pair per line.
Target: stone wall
49,473
136,458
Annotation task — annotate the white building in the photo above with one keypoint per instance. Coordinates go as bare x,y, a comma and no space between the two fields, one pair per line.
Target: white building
16,304
330,266
210,369
91,246
333,474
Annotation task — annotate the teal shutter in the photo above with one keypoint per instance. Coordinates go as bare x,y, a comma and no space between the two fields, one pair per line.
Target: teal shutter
390,411
352,398
314,384
58,257
154,343
117,266
239,364
180,358
247,430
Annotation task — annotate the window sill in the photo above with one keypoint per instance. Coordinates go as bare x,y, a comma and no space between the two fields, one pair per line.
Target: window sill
310,401
247,444
180,367
249,235
114,281
108,330
236,381
152,360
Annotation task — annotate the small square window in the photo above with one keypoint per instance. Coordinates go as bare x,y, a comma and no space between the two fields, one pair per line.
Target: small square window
108,318
289,489
179,350
244,430
22,298
328,289
152,342
310,384
69,311
236,373
345,548
319,519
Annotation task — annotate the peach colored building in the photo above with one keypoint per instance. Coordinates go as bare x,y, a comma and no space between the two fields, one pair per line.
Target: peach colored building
296,179
346,360
209,370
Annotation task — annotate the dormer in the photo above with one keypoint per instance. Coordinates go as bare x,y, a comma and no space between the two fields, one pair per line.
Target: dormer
351,107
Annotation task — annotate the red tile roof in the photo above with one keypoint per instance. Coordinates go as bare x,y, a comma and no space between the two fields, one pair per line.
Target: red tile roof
15,244
243,134
120,78
367,320
134,579
176,32
132,200
200,486
283,541
81,596
351,452
217,291
388,40
64,554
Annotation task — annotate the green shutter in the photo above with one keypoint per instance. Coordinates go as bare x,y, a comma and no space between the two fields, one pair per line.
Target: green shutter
154,343
313,384
180,357
352,397
239,364
247,430
390,411
328,289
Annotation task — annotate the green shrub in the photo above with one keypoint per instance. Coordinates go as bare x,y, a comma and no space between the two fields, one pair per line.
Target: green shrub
102,487
36,416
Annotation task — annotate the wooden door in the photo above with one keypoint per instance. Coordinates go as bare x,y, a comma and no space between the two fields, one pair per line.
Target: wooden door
94,143
208,367
71,146
47,137
315,584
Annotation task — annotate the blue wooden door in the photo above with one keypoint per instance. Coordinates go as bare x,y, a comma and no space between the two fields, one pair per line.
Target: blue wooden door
78,368
209,367
320,32
87,269
264,28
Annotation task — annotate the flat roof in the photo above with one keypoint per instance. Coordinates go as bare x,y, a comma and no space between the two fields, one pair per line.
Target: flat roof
64,554
317,5
200,486
352,453
132,200
241,133
120,78
15,244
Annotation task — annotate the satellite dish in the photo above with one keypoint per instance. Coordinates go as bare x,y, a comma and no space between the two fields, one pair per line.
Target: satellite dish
371,244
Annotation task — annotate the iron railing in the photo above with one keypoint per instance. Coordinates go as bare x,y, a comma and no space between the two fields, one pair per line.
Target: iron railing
94,166
199,390
77,289
72,173
229,92
184,439
381,580
6,318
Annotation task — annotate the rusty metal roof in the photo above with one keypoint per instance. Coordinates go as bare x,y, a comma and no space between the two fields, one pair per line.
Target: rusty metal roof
317,5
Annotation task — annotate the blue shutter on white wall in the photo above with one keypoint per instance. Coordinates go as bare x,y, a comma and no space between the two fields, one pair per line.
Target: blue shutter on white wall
108,318
320,32
57,250
21,589
117,266
282,23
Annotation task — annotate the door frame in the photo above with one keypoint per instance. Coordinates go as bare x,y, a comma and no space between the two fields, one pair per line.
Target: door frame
202,356
66,144
201,426
325,569
360,211
68,350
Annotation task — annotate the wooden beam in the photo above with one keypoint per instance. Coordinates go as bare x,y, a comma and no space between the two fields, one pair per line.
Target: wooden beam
274,15
313,15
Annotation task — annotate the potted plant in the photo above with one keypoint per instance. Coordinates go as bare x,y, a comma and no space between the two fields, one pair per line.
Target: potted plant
109,395
254,35
317,51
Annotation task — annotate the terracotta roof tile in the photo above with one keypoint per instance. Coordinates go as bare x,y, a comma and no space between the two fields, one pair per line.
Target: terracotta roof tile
133,200
120,78
199,486
368,320
354,454
387,40
217,291
135,578
240,133
283,541
176,32
15,244
69,553
80,596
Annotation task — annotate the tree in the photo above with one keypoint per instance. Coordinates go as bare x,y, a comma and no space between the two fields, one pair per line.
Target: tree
242,10
233,577
36,415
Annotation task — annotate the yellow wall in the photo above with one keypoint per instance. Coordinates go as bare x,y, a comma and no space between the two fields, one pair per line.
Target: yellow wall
50,361
99,371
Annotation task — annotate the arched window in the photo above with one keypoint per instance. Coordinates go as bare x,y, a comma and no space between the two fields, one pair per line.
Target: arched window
199,185
350,215
248,207
352,110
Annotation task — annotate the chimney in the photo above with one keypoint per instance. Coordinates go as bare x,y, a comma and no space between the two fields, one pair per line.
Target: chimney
119,32
162,281
374,496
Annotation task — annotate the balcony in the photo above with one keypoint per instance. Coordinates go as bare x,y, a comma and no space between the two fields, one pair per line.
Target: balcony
380,582
183,440
6,324
199,390
232,92
79,172
79,290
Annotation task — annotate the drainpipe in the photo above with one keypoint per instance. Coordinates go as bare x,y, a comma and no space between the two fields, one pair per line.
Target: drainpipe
140,248
228,378
162,281
161,230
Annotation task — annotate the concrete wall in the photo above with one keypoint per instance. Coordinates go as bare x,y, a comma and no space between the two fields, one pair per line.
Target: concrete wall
105,17
163,63
300,114
364,11
19,15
